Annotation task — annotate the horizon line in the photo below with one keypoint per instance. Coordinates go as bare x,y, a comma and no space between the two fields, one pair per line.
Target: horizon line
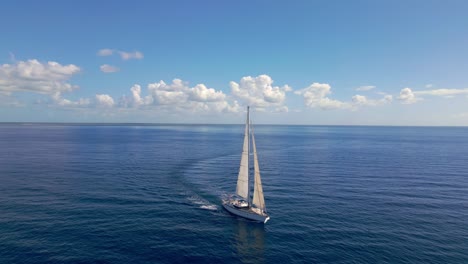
209,124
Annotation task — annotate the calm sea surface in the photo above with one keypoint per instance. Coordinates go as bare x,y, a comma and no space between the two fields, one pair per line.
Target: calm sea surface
152,194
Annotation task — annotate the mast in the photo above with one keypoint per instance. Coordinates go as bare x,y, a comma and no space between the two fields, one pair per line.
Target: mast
248,154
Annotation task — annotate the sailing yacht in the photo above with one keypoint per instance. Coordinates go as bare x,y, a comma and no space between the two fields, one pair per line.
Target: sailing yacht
240,204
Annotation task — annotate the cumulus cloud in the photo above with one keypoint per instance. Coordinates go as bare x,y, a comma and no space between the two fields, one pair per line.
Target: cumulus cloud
179,96
407,96
259,91
201,93
365,88
104,100
37,77
315,95
108,68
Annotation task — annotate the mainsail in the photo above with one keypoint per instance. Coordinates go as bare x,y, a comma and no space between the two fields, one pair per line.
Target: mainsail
243,179
258,199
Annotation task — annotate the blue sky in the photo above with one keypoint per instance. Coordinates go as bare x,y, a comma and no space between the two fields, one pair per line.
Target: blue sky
296,62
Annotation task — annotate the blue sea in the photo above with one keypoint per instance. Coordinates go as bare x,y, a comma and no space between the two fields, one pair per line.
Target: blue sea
74,193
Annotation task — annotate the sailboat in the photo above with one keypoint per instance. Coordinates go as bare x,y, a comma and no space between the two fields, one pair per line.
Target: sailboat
240,203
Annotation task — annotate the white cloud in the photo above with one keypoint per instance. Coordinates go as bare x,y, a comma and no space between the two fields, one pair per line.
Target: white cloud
178,96
104,100
430,85
442,92
130,55
58,100
365,88
108,68
37,77
315,95
201,93
407,96
259,91
105,52
361,100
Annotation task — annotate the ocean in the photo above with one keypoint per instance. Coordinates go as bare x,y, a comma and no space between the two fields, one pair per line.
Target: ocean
72,193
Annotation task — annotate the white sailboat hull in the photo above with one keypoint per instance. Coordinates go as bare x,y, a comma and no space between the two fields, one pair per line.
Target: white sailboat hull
247,213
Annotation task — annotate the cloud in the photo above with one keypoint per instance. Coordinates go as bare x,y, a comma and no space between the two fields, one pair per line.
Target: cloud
178,96
34,76
201,93
407,96
124,55
109,68
315,95
361,100
105,52
442,92
58,100
365,88
130,55
430,85
104,100
259,91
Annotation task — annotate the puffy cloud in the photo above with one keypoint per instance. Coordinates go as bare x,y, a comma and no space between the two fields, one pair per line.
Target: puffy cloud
104,100
259,91
135,100
179,96
108,68
407,96
37,77
365,88
315,95
124,55
201,93
176,93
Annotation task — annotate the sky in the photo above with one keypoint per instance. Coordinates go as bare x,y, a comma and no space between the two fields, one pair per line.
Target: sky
294,62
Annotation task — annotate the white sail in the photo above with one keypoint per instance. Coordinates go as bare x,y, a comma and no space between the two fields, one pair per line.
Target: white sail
258,199
243,179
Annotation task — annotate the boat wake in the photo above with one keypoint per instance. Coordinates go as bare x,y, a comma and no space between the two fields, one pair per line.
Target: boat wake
202,203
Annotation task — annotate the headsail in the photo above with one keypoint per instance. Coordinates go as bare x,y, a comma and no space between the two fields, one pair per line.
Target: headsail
258,199
243,179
